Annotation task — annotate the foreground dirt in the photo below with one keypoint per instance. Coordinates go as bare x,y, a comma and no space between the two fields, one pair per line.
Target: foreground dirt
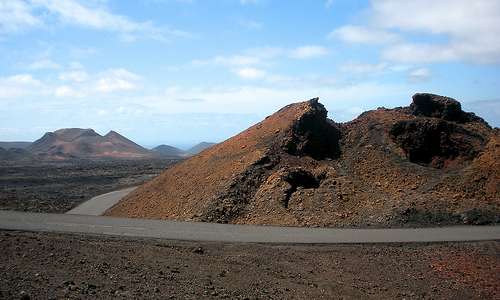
56,187
50,266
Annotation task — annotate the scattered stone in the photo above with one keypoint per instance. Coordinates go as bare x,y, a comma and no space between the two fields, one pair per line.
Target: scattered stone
198,250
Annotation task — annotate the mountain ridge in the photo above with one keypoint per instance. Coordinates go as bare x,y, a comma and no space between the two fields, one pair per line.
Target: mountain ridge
68,143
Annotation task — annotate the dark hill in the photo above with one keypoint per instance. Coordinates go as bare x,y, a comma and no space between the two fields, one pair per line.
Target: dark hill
199,147
170,151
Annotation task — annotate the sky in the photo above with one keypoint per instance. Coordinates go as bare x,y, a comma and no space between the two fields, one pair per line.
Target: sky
183,71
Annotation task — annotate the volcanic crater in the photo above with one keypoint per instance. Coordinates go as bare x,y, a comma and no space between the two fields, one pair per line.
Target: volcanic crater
426,164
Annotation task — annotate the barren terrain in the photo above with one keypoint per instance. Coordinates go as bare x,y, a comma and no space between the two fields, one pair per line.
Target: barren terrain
426,164
57,187
50,266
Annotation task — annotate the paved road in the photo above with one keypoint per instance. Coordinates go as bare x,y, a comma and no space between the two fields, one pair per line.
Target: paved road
99,204
194,231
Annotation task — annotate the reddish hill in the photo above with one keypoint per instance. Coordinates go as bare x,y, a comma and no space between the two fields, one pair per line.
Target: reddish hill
428,163
86,143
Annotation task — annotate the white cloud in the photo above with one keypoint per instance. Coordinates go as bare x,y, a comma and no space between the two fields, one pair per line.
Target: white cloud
232,60
310,51
16,15
367,70
116,80
363,68
472,29
262,99
419,75
252,63
44,64
71,84
262,56
79,83
467,30
423,53
455,17
75,76
19,85
66,91
362,35
250,73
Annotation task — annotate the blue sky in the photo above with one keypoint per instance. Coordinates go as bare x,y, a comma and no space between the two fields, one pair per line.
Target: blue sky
184,71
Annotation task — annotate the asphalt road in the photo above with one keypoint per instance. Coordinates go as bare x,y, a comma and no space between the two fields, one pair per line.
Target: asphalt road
195,231
99,204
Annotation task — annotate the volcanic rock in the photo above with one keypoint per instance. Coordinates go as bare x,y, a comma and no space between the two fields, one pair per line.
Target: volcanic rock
449,109
437,142
426,164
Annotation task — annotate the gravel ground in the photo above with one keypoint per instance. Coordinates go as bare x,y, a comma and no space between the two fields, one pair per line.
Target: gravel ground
50,266
56,187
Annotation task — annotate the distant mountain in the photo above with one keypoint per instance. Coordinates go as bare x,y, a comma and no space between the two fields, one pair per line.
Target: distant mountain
10,145
200,147
170,151
86,143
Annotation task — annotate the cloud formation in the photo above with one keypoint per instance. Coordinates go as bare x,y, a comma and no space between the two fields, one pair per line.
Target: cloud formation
466,30
116,80
419,75
17,15
19,85
309,51
250,73
362,35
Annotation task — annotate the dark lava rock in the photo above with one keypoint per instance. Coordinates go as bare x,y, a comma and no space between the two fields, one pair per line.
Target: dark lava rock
446,108
198,250
298,178
435,141
314,134
24,296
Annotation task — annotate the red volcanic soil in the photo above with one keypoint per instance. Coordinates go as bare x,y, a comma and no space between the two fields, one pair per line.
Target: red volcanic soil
426,164
86,143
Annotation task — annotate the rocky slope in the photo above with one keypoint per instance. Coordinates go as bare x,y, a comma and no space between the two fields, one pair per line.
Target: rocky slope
428,163
86,143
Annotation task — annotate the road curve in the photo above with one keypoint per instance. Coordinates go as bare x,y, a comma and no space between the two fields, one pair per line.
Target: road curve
99,204
195,231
